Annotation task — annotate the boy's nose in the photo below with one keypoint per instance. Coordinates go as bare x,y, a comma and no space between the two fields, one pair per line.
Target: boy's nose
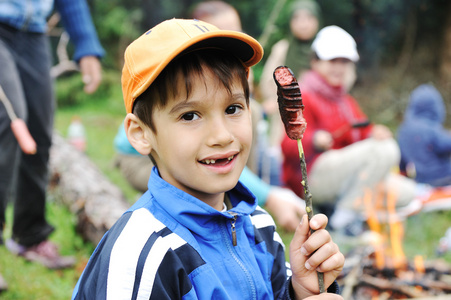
219,134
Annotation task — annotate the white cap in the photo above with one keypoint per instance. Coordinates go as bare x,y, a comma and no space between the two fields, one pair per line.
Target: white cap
333,42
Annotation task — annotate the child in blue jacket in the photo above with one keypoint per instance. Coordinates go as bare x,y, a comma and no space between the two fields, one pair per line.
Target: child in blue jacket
197,233
425,144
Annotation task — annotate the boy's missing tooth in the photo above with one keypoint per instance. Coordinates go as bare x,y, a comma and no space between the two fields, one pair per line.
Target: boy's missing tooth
197,233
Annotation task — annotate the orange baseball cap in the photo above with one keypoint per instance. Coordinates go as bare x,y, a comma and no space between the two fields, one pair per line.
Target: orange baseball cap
149,54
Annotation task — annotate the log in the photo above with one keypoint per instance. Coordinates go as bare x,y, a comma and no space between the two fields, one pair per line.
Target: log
385,284
77,183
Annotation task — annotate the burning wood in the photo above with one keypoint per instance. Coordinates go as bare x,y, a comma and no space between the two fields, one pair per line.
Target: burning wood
362,279
381,270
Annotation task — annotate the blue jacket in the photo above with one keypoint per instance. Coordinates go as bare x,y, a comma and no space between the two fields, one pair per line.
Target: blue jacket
32,16
170,245
423,140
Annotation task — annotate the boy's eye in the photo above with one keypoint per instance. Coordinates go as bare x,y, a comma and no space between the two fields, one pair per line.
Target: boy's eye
189,116
233,109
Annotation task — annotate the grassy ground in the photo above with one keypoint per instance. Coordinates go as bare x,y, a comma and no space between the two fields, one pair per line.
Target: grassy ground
101,114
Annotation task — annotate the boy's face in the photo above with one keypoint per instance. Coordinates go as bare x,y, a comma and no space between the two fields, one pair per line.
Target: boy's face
202,143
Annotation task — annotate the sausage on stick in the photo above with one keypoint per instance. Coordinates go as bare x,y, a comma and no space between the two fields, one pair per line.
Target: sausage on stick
18,127
291,111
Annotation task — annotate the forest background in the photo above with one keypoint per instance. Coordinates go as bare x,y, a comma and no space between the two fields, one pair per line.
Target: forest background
402,43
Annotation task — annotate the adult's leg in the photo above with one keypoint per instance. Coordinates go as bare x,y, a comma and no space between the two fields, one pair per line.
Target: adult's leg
34,62
9,148
343,175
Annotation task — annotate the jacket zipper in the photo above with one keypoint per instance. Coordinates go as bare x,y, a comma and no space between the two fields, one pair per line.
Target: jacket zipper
232,224
237,260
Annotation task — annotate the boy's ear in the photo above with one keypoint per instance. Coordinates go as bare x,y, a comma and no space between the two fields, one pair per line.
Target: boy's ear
138,134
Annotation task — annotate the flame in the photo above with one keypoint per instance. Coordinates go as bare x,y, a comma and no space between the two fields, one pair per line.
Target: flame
374,226
419,264
392,233
396,232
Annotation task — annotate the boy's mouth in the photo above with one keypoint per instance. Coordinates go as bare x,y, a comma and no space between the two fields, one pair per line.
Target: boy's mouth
221,161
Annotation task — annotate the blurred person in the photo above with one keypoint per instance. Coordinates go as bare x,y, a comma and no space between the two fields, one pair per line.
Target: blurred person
286,207
25,62
425,144
294,52
343,160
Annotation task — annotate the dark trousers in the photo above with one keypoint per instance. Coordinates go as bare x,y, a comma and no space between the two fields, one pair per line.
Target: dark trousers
25,62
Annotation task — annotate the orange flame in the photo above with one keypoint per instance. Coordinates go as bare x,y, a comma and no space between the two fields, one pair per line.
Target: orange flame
374,226
419,264
396,232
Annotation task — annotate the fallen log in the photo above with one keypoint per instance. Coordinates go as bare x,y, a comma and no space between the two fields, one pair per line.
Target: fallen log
77,183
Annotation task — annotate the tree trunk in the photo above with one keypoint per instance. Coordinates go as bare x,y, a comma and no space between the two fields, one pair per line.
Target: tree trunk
78,184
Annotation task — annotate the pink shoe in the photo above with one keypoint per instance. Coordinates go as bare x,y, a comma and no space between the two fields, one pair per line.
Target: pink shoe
45,253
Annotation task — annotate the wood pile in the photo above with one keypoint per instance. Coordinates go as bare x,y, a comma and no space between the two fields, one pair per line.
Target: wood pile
362,280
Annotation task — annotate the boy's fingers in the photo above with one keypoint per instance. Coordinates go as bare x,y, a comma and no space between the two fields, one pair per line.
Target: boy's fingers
301,234
321,255
319,239
318,221
333,263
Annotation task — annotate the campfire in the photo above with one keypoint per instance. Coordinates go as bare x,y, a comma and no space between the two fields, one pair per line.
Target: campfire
380,269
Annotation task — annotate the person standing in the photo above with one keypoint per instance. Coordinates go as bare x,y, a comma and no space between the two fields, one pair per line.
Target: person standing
25,62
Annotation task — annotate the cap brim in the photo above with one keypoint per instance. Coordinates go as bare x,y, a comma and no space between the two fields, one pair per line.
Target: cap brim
241,45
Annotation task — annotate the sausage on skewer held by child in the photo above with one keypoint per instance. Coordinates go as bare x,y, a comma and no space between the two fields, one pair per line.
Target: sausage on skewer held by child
291,111
290,102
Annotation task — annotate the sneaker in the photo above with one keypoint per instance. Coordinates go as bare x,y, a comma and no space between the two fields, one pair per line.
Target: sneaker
45,253
3,284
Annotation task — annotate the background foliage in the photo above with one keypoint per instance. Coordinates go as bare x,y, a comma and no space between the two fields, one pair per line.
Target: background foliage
401,42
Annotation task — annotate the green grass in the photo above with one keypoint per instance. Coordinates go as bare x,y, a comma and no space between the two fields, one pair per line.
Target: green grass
101,115
32,281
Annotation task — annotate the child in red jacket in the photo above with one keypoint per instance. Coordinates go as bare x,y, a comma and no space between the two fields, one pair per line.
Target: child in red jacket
345,154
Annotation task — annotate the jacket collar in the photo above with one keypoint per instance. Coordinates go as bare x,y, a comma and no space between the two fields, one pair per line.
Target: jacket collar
191,212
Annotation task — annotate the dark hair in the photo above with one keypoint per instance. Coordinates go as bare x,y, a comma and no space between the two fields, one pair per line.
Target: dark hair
189,67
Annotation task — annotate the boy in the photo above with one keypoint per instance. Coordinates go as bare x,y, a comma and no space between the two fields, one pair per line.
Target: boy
196,233
283,204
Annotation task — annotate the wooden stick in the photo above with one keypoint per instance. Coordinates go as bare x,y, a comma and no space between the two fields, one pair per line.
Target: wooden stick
308,203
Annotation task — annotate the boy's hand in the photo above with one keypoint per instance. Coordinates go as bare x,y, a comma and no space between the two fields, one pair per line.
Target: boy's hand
314,252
